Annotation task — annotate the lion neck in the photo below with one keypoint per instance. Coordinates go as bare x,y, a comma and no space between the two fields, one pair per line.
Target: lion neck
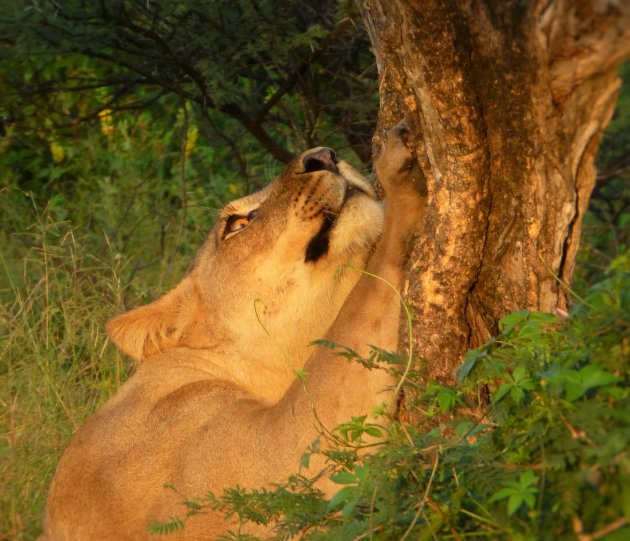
255,348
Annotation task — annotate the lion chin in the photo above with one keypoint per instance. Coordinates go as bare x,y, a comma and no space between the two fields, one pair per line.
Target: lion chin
224,343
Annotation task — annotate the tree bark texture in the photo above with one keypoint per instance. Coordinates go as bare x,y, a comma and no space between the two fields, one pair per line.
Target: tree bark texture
507,102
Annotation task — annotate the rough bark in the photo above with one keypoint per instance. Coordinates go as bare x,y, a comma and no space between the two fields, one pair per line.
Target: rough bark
508,102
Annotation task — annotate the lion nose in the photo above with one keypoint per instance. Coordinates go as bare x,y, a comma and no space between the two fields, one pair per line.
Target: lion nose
323,159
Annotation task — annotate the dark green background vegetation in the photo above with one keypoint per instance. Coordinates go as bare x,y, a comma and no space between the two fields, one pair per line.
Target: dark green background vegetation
125,125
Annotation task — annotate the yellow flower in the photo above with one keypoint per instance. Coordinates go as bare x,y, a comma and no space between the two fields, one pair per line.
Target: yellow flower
57,151
107,123
191,140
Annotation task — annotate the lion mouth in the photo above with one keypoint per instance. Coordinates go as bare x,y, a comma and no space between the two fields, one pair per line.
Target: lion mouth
324,159
318,246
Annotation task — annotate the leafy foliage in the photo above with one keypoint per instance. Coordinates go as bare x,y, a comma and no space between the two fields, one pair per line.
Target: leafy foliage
606,230
546,457
272,69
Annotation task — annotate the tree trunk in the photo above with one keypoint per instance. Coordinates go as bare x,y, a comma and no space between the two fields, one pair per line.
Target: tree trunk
507,102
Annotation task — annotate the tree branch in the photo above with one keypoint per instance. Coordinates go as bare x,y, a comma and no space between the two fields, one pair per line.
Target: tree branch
250,124
290,82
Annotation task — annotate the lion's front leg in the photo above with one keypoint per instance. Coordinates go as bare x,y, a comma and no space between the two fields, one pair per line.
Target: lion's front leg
398,171
338,389
372,310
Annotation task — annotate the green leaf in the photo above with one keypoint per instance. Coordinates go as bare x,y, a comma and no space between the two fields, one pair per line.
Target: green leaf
191,505
362,472
463,428
163,528
503,493
588,378
519,374
470,360
349,507
530,499
518,492
340,497
507,324
446,400
344,478
305,460
527,478
373,431
514,502
595,376
325,343
501,392
516,485
517,394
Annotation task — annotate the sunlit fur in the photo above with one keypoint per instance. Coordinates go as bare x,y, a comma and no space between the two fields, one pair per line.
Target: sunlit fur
221,345
251,305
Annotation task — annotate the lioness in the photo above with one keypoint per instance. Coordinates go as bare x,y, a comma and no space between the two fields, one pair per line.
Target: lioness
215,401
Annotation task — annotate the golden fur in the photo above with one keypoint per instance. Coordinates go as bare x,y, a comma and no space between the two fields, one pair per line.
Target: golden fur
215,402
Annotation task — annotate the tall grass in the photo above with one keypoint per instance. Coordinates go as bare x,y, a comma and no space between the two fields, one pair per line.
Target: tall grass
57,367
108,222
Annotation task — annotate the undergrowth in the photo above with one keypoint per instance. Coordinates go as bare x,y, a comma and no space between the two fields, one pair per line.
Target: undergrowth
91,225
547,458
55,369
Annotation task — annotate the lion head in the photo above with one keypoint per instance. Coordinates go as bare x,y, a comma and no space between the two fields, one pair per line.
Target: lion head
271,276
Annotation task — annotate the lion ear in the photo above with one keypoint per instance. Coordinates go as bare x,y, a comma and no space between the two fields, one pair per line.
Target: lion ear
143,331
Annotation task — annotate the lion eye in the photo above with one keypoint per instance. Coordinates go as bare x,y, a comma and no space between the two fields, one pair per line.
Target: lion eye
236,223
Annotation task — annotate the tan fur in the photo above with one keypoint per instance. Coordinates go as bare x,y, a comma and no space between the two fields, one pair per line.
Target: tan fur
215,402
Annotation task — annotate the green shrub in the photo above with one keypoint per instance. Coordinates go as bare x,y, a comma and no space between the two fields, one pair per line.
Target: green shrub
546,459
